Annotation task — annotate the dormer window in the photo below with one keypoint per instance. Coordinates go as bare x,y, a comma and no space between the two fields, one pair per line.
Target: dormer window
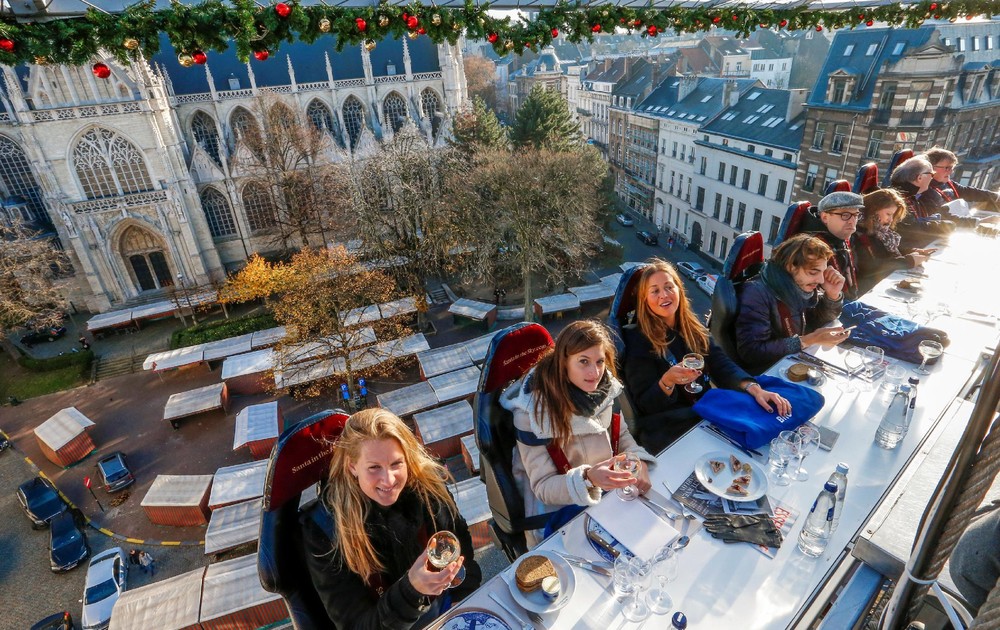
234,83
848,50
898,49
838,90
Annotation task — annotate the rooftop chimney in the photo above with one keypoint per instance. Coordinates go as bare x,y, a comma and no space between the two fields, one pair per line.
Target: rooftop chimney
688,83
730,93
796,100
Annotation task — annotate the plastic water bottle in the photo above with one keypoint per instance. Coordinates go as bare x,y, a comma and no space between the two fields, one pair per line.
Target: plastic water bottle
679,621
839,477
913,382
894,423
815,534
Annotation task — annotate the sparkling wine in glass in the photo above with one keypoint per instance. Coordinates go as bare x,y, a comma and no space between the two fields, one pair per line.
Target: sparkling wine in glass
630,463
928,349
443,548
693,361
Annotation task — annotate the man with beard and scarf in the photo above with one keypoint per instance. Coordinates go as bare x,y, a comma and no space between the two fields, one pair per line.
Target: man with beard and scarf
786,307
566,430
835,222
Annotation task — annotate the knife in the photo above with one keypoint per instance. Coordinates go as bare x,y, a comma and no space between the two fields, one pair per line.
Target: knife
820,363
749,451
660,511
603,544
583,563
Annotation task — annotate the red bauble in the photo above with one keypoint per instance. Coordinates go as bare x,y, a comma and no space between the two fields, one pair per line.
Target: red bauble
969,17
406,16
282,9
861,17
818,28
596,28
555,33
735,17
716,20
261,55
492,38
937,16
101,70
422,30
933,6
362,25
637,23
783,23
651,30
412,22
7,45
870,23
199,57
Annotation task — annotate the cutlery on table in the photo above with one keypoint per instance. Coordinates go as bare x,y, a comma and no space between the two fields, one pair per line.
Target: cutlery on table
821,364
602,568
749,451
659,510
517,618
670,493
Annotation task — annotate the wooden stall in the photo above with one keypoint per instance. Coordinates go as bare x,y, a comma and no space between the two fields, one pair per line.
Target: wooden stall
233,599
470,453
64,437
234,484
172,603
257,428
408,400
465,311
195,401
180,500
232,526
250,373
556,305
440,430
456,385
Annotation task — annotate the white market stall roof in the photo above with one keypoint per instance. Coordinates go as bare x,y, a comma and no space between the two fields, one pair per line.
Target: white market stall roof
444,422
166,604
194,401
410,399
470,497
307,372
360,358
256,422
174,358
228,347
593,292
153,310
471,308
446,359
109,319
233,525
250,363
329,345
241,482
479,346
612,279
61,428
361,315
402,306
625,266
177,490
268,337
558,303
455,385
470,446
232,586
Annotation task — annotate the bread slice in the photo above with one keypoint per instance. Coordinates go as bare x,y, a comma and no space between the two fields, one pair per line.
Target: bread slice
735,464
738,490
531,571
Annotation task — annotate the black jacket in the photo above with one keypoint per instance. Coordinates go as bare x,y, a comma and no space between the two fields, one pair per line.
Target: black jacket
843,255
394,532
918,228
875,261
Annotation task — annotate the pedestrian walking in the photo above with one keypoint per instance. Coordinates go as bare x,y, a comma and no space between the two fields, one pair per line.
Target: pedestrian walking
147,563
133,556
83,342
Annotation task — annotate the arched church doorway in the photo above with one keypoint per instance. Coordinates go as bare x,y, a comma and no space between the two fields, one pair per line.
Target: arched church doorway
143,253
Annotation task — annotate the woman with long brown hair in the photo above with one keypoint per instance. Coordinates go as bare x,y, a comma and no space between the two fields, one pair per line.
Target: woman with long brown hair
365,538
566,433
877,243
666,329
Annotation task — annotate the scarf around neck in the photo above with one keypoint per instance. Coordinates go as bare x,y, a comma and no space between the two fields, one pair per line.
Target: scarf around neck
888,237
586,403
781,283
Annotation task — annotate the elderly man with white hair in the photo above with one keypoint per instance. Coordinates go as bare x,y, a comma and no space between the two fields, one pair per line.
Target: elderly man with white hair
911,179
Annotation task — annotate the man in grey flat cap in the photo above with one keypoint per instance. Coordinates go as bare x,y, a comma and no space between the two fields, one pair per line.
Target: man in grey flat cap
835,221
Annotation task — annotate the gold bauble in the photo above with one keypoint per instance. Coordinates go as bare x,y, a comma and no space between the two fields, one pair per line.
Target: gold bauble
383,21
369,45
413,34
482,21
324,25
131,43
456,26
41,60
436,19
185,60
509,44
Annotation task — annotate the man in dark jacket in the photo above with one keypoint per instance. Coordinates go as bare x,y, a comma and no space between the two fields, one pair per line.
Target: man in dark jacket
835,222
943,190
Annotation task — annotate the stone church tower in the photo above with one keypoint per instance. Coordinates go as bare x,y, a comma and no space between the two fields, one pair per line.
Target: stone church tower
135,173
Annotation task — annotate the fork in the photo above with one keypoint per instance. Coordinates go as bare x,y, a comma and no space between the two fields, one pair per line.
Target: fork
517,618
536,619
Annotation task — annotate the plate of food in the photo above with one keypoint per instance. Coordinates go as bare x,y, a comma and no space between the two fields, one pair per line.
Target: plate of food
477,618
909,287
542,581
730,476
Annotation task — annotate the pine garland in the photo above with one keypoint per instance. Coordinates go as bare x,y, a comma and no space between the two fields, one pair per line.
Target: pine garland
212,25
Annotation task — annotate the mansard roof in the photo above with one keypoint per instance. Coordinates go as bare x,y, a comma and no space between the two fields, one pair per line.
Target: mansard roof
704,101
759,116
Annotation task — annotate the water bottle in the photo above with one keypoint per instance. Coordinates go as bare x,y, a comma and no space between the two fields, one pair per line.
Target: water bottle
913,382
679,621
815,534
893,426
839,477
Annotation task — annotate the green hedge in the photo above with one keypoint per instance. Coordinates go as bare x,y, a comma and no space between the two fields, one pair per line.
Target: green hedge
83,359
224,329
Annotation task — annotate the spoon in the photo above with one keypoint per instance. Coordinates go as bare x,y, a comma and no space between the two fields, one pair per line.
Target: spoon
680,543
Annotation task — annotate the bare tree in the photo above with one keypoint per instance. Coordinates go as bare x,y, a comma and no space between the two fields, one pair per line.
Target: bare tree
481,77
534,211
29,291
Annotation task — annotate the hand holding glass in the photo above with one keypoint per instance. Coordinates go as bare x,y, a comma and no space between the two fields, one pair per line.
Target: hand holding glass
928,349
630,463
810,444
443,548
693,361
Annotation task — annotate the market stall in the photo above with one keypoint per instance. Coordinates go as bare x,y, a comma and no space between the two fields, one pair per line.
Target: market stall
232,526
440,429
466,311
172,603
64,438
408,400
250,373
179,500
195,401
257,428
233,484
455,385
232,598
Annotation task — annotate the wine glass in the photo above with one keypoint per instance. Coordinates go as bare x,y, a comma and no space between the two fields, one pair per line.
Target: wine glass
693,361
621,577
872,356
665,571
809,445
630,463
854,362
782,451
443,548
915,310
928,349
636,608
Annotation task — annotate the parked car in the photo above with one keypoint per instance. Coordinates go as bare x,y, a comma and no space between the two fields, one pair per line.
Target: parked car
107,578
40,501
39,335
114,472
67,544
691,269
707,283
59,621
647,237
625,220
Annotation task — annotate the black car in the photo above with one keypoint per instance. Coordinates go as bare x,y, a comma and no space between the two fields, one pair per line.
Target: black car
43,334
647,237
114,471
58,621
40,501
67,544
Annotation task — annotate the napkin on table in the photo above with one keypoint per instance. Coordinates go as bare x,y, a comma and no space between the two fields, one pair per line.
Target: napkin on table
633,525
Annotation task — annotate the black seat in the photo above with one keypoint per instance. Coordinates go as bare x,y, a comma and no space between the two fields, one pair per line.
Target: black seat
791,223
623,314
513,351
300,459
742,263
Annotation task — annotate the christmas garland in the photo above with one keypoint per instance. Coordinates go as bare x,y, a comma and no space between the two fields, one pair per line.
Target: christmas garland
258,30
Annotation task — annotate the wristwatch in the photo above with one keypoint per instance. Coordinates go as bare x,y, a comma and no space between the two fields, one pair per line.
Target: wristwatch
586,480
746,388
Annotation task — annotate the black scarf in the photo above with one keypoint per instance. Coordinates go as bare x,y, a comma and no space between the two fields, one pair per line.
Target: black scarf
781,283
584,403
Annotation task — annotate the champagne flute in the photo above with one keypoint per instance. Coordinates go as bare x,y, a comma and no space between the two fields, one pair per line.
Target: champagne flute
665,572
693,361
443,548
928,349
854,362
810,444
630,463
636,609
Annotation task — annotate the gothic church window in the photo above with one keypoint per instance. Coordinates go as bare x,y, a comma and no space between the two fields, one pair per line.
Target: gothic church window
107,165
394,108
217,213
206,135
19,181
259,207
354,119
431,105
319,116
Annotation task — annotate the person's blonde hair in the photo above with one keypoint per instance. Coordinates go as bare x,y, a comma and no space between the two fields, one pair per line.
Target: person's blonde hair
692,331
349,505
552,381
878,199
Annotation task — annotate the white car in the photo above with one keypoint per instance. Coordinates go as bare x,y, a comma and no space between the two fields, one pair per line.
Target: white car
107,576
707,283
691,269
625,220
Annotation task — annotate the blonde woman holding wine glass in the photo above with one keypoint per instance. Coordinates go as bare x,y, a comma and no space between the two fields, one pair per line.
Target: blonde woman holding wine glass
666,330
366,538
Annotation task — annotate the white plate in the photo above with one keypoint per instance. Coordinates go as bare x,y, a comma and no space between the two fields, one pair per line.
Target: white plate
717,483
474,618
536,601
907,290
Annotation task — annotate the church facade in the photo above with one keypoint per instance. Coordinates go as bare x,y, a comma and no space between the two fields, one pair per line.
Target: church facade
136,174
